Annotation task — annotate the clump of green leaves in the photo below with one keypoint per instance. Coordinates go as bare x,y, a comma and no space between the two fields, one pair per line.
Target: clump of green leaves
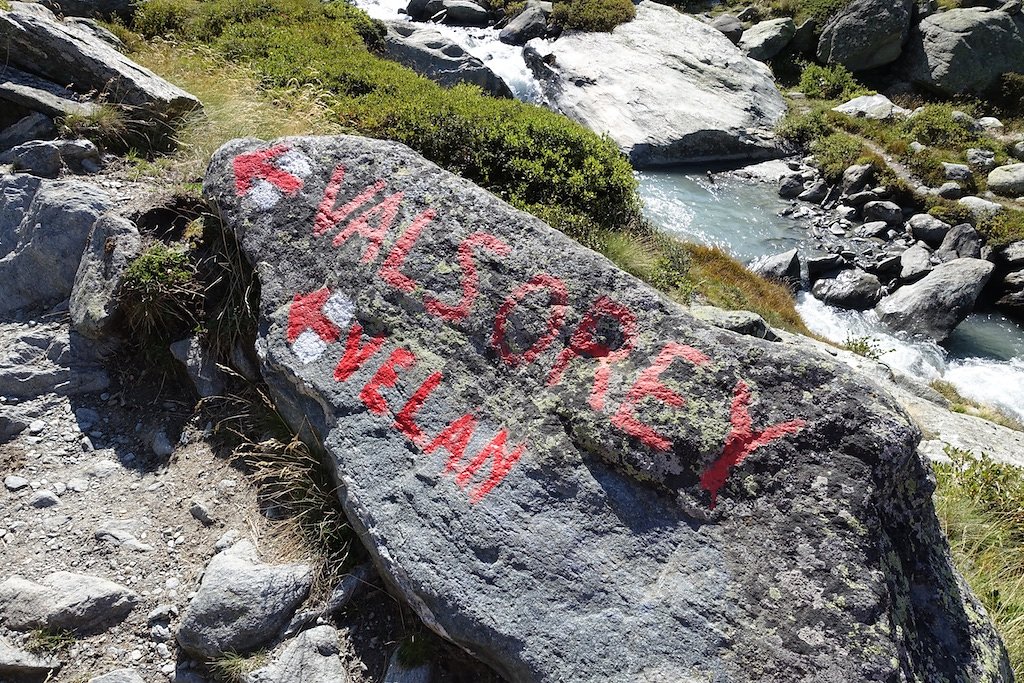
865,346
592,15
49,642
802,128
1003,227
935,125
833,82
836,152
160,294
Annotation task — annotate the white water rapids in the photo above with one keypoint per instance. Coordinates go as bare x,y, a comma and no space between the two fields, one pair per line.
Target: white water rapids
984,358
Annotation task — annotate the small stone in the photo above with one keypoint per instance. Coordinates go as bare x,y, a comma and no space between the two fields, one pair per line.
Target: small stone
227,539
43,499
164,612
36,427
120,676
15,483
161,445
201,512
78,485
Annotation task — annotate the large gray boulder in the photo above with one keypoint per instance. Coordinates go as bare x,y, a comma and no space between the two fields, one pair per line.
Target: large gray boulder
865,34
64,601
241,603
67,55
964,50
784,267
44,226
766,39
531,23
877,107
430,54
113,244
458,12
564,472
1007,180
666,87
935,305
852,288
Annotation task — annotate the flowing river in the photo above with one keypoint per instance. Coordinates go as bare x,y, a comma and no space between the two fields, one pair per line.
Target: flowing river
983,359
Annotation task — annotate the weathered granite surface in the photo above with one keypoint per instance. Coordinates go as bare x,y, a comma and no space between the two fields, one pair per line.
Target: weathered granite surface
563,471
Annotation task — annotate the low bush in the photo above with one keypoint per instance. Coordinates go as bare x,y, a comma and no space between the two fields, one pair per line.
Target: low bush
935,126
525,154
801,10
1003,227
160,296
833,82
592,15
802,128
835,153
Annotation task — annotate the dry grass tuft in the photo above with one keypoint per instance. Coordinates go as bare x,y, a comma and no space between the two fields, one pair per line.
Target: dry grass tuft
981,506
725,282
961,404
234,105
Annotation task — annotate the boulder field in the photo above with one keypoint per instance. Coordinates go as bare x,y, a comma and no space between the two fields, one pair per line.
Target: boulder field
666,87
564,472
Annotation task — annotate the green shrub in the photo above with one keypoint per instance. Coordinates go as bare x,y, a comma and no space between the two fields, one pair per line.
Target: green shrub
160,296
1008,94
801,129
818,10
160,18
935,126
592,15
833,82
1003,227
836,152
953,213
525,154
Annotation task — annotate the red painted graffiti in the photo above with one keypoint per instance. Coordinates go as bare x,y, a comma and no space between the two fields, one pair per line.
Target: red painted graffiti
356,354
470,279
607,333
390,270
255,166
306,313
327,217
648,384
583,342
557,299
741,441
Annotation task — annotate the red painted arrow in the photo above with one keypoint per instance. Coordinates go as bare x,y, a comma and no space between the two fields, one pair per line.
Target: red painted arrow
307,313
256,166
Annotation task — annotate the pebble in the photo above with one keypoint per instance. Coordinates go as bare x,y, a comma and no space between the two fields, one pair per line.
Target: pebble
15,483
36,427
226,540
161,445
43,499
78,485
201,512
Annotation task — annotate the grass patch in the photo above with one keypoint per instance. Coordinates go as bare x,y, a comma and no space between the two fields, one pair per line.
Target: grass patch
160,295
801,10
49,643
724,282
961,404
234,105
1002,228
232,667
836,152
981,506
592,15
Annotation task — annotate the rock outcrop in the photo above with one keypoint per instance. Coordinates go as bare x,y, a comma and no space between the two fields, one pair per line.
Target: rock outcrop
34,41
63,601
866,34
665,87
938,303
430,54
44,227
766,39
563,471
1007,180
964,51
